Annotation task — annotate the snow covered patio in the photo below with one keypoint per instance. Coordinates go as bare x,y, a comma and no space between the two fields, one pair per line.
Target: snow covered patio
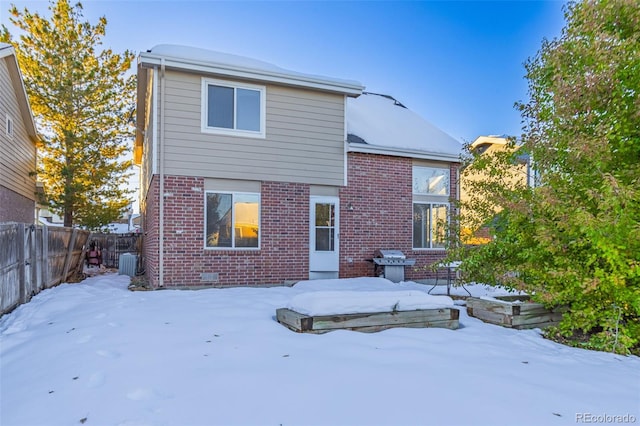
97,353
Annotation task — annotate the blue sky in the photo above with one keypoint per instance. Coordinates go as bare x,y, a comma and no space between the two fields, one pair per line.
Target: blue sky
459,64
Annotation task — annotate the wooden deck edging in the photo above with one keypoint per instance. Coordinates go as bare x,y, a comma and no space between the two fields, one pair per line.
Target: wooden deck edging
513,315
369,322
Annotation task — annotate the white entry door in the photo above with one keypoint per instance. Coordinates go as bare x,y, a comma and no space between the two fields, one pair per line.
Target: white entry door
324,238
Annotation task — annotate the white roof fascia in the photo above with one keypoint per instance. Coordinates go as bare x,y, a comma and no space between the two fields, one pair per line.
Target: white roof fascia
383,150
6,50
351,88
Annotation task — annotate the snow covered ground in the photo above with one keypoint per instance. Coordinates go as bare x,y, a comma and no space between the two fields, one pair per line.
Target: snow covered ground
99,354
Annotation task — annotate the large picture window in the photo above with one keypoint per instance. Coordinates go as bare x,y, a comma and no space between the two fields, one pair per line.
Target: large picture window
232,220
429,225
233,108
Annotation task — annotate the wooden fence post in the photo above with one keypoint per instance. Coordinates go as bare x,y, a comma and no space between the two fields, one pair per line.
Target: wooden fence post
67,260
33,254
20,241
45,257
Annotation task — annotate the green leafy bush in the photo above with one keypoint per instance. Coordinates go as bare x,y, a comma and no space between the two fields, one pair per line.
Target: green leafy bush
572,239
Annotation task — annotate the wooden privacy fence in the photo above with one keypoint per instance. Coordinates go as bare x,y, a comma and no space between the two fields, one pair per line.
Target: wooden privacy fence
33,258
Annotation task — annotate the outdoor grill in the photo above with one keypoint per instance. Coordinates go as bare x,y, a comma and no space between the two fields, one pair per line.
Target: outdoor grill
392,263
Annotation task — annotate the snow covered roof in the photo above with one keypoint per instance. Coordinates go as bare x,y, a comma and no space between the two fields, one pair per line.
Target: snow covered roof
213,62
380,124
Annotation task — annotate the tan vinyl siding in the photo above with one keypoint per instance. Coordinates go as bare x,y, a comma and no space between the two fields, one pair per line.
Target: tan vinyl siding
17,152
304,137
146,170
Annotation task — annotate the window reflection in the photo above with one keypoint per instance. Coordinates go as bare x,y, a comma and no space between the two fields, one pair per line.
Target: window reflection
232,220
430,180
325,227
247,218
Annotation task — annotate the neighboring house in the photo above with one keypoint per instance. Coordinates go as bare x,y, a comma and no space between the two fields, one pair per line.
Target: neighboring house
18,139
487,145
46,217
128,225
520,173
252,174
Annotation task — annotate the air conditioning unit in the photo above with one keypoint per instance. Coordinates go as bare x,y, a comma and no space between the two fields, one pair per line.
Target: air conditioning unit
128,264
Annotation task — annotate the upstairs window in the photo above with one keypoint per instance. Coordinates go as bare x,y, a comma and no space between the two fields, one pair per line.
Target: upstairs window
430,180
233,108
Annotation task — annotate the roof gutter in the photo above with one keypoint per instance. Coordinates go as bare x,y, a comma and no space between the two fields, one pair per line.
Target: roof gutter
351,88
400,152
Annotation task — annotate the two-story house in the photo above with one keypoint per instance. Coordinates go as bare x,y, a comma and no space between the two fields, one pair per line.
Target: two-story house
18,139
253,174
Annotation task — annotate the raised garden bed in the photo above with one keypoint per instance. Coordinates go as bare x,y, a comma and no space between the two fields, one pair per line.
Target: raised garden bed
513,311
369,322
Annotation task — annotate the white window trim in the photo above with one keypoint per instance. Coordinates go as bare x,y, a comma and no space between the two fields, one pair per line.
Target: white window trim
233,230
232,132
9,128
431,203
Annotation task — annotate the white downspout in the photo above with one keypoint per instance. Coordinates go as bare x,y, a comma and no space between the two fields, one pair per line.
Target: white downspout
161,173
346,143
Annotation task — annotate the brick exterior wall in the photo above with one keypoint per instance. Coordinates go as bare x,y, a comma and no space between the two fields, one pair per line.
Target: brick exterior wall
284,248
379,191
376,212
149,209
15,207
